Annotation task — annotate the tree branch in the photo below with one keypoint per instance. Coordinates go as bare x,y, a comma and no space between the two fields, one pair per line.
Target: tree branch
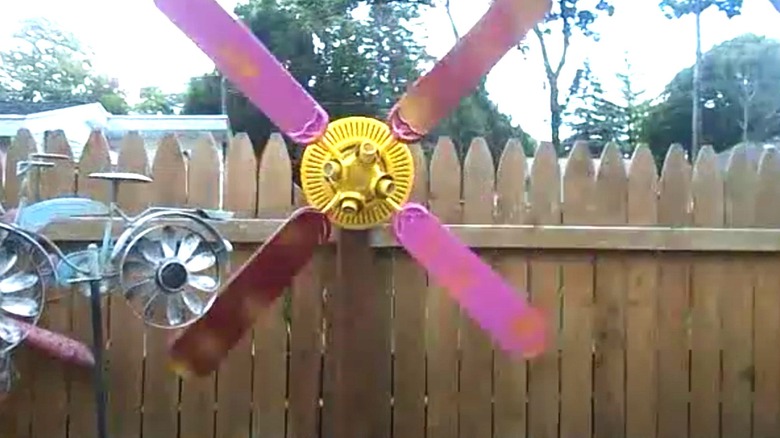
545,56
452,20
566,43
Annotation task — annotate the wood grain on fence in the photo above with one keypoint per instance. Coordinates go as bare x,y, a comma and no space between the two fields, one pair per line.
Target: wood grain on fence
126,350
198,396
234,377
644,343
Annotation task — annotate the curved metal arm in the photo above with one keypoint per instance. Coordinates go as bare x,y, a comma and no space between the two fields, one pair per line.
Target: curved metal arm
58,252
160,213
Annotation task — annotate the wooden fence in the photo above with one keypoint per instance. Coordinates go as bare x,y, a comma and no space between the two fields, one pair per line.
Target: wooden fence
665,327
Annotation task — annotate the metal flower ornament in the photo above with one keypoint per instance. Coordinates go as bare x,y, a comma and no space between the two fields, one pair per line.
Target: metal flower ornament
356,173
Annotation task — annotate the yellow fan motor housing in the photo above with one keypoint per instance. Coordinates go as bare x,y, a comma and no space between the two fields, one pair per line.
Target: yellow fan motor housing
357,173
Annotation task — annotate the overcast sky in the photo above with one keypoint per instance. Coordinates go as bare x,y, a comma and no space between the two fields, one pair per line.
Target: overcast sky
136,44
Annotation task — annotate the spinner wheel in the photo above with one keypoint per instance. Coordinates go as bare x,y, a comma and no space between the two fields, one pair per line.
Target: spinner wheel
26,272
170,272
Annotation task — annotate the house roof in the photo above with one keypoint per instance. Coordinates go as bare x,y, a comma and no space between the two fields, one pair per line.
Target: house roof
79,121
169,123
25,108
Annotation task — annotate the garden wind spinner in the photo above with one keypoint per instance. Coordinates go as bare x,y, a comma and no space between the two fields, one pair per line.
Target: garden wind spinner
357,173
167,262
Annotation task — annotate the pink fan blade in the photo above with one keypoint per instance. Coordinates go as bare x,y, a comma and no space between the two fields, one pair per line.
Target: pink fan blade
434,95
58,346
241,57
516,327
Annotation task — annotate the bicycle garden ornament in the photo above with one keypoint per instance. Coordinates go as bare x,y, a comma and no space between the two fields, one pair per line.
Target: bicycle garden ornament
356,172
167,262
27,272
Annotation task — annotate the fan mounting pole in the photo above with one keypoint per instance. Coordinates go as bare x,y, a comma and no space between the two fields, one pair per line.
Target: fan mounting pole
97,346
359,342
97,339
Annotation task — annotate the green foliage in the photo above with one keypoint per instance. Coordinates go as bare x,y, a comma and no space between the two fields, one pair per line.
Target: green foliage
678,8
740,96
478,116
566,18
356,67
50,65
602,120
202,95
154,101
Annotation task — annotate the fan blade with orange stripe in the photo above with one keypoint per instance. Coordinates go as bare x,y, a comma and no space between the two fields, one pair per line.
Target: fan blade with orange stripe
494,305
437,93
249,293
243,59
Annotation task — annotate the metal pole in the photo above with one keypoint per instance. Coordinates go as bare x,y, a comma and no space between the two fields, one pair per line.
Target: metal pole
97,344
97,351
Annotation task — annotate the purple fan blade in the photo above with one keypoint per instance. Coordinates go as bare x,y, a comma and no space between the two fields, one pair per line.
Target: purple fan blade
515,326
437,93
243,59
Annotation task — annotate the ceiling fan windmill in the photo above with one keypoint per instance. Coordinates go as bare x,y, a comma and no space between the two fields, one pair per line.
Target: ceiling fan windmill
356,172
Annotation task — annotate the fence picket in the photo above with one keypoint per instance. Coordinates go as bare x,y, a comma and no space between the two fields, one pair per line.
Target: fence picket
94,158
50,390
17,411
21,147
198,394
545,286
442,324
706,283
611,198
410,285
134,198
59,180
234,377
737,301
766,319
307,340
274,199
674,301
641,306
126,331
161,411
509,376
579,206
476,383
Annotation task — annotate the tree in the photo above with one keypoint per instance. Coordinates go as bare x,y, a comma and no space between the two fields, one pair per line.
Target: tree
478,116
358,68
154,101
740,94
100,88
567,18
276,26
679,8
203,95
603,120
48,64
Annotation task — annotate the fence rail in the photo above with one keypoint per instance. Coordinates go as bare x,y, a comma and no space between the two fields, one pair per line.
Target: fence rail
663,295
